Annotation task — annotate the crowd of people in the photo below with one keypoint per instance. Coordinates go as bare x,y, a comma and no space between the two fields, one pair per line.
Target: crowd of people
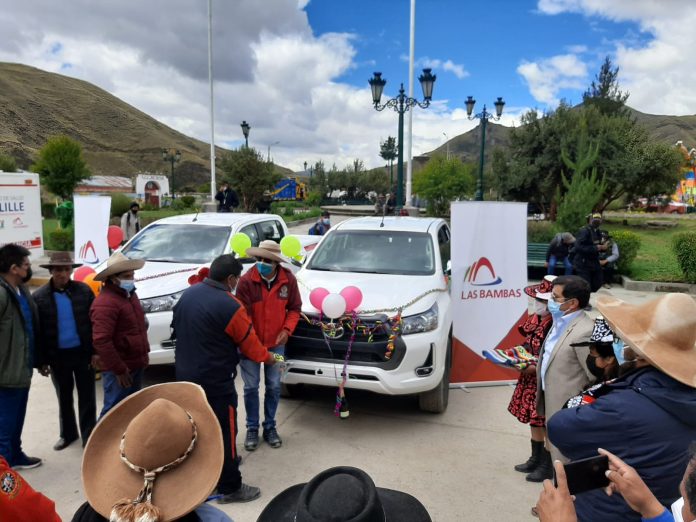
591,254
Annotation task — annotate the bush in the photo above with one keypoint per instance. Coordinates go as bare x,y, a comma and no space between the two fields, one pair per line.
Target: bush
540,231
629,243
178,204
120,204
188,201
314,199
684,246
48,210
148,206
61,239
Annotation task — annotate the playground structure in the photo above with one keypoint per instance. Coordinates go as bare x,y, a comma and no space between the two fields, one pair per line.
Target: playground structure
686,188
289,189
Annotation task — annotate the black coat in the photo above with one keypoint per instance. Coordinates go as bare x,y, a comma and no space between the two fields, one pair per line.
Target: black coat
81,297
227,199
557,248
586,255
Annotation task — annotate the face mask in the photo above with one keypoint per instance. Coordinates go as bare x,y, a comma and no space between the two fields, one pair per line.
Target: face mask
134,211
127,284
27,277
264,268
677,507
555,309
540,308
594,369
595,223
233,288
618,347
326,221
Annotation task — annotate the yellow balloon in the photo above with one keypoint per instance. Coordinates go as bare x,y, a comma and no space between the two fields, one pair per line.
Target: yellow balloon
239,244
94,285
290,246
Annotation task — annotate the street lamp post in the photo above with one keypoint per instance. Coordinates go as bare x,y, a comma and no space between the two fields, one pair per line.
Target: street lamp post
484,116
245,129
447,138
401,104
269,149
172,156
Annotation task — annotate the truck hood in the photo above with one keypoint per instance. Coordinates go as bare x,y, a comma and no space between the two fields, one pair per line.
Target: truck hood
380,291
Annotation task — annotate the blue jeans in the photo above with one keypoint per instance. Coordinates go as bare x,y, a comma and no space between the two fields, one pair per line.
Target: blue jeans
251,375
566,263
113,393
13,408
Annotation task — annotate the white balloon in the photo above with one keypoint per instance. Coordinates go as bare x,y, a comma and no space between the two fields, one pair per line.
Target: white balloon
334,306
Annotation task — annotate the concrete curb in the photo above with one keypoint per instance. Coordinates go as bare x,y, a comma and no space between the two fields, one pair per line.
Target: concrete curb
657,286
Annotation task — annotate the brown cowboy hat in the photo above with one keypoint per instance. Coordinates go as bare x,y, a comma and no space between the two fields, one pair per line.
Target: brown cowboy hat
118,263
541,290
268,249
662,331
157,427
343,493
61,259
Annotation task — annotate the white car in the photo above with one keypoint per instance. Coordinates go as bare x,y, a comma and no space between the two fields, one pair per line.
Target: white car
396,262
176,248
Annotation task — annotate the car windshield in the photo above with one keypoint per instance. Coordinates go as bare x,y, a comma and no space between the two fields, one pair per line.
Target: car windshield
179,243
375,252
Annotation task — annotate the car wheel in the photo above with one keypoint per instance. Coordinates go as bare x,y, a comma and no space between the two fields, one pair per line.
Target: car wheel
289,390
435,400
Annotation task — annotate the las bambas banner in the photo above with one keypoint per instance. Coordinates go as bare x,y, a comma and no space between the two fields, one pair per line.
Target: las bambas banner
20,211
91,228
489,273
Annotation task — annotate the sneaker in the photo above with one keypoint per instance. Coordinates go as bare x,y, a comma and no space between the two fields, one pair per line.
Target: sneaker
244,494
26,462
252,440
271,436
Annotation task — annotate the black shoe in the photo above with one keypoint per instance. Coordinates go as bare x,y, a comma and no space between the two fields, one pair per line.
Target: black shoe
26,462
252,440
271,436
533,461
244,494
63,443
544,470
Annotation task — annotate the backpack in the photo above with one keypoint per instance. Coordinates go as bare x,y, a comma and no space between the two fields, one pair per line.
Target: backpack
313,230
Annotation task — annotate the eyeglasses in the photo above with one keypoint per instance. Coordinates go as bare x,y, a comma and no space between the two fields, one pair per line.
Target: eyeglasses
556,300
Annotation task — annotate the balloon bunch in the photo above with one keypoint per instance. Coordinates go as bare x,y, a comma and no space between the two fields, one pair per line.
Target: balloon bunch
114,237
86,274
290,246
194,279
334,306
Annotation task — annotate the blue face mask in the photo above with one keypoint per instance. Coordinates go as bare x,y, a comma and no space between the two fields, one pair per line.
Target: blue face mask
555,309
326,221
127,284
618,346
264,268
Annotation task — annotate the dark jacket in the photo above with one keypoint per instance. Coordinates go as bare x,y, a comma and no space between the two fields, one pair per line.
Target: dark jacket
227,199
119,334
586,255
271,310
16,358
81,297
648,419
558,248
209,325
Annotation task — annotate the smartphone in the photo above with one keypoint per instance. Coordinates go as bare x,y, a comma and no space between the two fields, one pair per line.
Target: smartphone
586,474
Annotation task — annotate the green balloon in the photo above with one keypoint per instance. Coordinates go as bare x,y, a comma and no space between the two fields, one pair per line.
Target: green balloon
290,246
239,244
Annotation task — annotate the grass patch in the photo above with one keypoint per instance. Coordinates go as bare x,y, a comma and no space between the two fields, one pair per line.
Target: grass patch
49,225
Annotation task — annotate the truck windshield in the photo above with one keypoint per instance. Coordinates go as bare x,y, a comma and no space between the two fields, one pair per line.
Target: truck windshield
375,252
179,243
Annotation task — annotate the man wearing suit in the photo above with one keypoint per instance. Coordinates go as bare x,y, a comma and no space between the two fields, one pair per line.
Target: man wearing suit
562,370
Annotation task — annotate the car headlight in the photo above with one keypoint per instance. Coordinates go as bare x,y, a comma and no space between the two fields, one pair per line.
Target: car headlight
424,322
164,303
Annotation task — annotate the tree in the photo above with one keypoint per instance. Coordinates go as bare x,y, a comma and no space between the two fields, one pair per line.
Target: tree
61,166
249,175
7,163
442,181
582,194
604,92
388,151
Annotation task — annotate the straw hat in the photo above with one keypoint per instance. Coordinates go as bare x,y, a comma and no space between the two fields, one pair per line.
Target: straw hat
343,493
118,263
663,331
268,249
61,259
541,290
159,426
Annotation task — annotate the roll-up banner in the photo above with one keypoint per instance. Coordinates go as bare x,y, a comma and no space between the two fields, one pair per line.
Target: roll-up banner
91,227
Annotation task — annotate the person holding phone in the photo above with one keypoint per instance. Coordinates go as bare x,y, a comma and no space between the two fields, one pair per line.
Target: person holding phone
646,417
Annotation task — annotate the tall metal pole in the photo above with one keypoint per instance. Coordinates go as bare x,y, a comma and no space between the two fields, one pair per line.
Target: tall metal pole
412,54
171,161
212,108
479,186
400,164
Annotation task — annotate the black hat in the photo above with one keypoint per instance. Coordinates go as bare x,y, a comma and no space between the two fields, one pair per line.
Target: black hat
343,494
134,204
325,213
601,334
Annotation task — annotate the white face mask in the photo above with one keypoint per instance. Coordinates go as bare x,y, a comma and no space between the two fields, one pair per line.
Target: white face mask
677,510
540,308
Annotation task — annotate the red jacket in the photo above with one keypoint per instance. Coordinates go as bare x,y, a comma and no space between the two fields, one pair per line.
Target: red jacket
271,310
19,502
119,333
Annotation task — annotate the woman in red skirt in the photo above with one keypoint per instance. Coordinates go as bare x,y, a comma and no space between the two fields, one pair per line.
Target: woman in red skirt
523,402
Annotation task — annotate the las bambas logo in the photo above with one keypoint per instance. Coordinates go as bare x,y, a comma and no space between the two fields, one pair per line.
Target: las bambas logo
485,284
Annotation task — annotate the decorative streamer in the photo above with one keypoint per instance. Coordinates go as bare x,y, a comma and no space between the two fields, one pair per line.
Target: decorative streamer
163,274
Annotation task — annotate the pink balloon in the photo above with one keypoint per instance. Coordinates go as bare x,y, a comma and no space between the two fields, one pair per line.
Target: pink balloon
353,297
317,296
114,237
80,273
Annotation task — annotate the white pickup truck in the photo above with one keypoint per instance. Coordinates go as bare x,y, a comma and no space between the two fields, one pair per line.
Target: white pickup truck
179,246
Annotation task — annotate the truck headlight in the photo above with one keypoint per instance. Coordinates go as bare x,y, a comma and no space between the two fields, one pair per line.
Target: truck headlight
164,303
424,322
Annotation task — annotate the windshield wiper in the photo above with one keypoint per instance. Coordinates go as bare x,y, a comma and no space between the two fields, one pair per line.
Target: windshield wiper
323,269
365,271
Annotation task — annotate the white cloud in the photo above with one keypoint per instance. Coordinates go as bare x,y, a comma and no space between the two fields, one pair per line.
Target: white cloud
547,77
435,63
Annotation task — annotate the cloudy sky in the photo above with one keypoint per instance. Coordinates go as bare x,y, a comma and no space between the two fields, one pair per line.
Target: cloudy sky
297,70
